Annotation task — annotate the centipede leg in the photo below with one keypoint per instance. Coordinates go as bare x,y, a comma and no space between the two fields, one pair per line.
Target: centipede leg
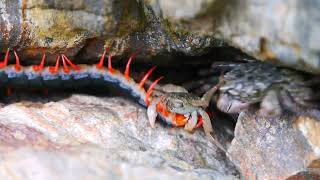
9,91
45,92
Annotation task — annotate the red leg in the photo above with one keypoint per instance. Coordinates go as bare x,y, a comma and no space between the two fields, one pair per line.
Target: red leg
55,69
111,70
41,65
65,66
144,79
200,122
127,71
149,92
73,66
100,64
45,91
4,63
17,66
9,91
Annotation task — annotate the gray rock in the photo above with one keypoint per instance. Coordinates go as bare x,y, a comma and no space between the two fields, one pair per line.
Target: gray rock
276,148
86,137
285,32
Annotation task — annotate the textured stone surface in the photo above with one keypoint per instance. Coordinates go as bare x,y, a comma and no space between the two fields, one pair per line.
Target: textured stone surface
90,137
276,148
285,32
86,28
310,128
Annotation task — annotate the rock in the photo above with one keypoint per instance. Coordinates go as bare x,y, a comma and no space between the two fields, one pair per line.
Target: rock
86,162
310,128
285,32
305,175
276,148
86,28
88,137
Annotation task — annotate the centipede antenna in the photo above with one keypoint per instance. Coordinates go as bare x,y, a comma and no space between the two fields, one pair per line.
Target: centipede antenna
55,69
73,66
41,65
127,71
144,79
17,65
5,61
110,63
150,90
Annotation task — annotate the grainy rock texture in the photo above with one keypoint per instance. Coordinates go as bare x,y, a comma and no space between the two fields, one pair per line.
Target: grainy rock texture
276,148
92,137
284,32
86,28
86,137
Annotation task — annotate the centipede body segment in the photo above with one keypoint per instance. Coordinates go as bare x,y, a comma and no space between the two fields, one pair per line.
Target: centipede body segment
67,74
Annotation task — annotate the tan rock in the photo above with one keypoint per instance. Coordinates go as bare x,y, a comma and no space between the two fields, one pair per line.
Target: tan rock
88,137
272,148
310,128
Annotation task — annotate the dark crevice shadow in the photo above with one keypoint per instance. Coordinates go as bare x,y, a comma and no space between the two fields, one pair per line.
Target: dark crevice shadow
53,95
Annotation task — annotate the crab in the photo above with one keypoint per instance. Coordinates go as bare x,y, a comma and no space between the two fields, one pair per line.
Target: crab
178,107
275,88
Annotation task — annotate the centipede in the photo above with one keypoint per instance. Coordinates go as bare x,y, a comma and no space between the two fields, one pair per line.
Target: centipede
64,72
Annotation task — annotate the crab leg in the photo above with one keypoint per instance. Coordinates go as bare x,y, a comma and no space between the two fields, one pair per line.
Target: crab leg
270,105
152,111
206,98
207,126
192,121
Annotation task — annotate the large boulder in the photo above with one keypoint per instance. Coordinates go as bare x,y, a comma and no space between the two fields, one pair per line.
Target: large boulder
86,28
87,137
276,148
283,32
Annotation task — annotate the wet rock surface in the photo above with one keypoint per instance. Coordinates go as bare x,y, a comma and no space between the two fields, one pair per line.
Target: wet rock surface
84,136
276,148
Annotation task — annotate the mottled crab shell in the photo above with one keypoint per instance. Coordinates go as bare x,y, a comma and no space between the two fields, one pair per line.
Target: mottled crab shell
249,83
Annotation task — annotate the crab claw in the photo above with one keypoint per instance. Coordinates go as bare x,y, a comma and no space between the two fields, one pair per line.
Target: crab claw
229,105
152,112
192,121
